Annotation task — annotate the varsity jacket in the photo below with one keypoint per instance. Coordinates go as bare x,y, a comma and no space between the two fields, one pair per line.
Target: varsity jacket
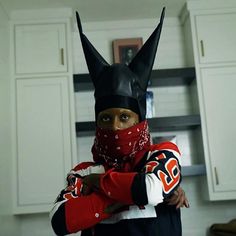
142,192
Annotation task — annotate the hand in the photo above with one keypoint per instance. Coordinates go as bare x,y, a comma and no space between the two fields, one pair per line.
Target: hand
91,182
86,190
178,198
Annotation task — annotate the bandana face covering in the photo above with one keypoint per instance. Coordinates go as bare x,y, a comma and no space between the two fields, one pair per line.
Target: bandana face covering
115,148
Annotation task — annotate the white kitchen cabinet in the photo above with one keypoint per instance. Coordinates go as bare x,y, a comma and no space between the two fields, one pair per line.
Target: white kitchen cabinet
43,141
43,117
216,37
218,103
213,40
40,48
213,31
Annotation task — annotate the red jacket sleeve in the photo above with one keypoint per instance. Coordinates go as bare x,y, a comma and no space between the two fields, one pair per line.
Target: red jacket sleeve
117,186
74,212
79,213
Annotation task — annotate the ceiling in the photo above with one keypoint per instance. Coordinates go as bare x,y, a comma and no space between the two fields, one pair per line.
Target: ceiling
103,10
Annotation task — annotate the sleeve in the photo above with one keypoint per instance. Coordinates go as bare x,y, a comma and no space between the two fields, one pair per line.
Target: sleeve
76,214
158,179
162,173
73,212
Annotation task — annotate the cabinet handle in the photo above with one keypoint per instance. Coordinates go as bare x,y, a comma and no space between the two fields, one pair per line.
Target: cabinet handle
62,56
202,48
216,176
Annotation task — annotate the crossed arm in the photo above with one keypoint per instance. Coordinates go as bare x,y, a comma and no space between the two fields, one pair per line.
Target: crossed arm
91,183
91,198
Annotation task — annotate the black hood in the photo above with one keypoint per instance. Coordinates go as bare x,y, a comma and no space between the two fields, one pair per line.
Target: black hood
121,85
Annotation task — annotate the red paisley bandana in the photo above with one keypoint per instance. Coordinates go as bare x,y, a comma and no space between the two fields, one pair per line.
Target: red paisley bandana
115,148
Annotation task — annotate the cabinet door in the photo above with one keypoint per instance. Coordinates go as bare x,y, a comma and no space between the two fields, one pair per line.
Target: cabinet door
43,142
40,48
216,35
219,105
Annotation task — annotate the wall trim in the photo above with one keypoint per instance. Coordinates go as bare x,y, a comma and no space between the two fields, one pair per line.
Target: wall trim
126,24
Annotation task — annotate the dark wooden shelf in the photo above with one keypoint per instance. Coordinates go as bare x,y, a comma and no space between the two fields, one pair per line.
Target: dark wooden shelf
193,170
87,128
162,77
172,77
174,123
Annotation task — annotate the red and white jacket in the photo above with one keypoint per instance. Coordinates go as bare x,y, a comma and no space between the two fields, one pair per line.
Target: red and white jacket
154,178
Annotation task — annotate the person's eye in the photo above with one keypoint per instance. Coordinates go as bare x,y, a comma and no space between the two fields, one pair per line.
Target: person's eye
105,118
124,117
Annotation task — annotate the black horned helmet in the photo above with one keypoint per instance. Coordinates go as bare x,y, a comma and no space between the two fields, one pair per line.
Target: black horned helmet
120,85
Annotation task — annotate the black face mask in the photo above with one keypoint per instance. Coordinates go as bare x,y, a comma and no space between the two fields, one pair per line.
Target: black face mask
120,85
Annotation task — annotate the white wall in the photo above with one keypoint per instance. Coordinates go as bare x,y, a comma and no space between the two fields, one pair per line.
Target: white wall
171,54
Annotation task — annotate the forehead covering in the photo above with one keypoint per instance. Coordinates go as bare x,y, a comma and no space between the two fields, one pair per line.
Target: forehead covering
120,85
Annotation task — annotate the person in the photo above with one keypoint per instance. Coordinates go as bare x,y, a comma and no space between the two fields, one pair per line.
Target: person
128,54
132,187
